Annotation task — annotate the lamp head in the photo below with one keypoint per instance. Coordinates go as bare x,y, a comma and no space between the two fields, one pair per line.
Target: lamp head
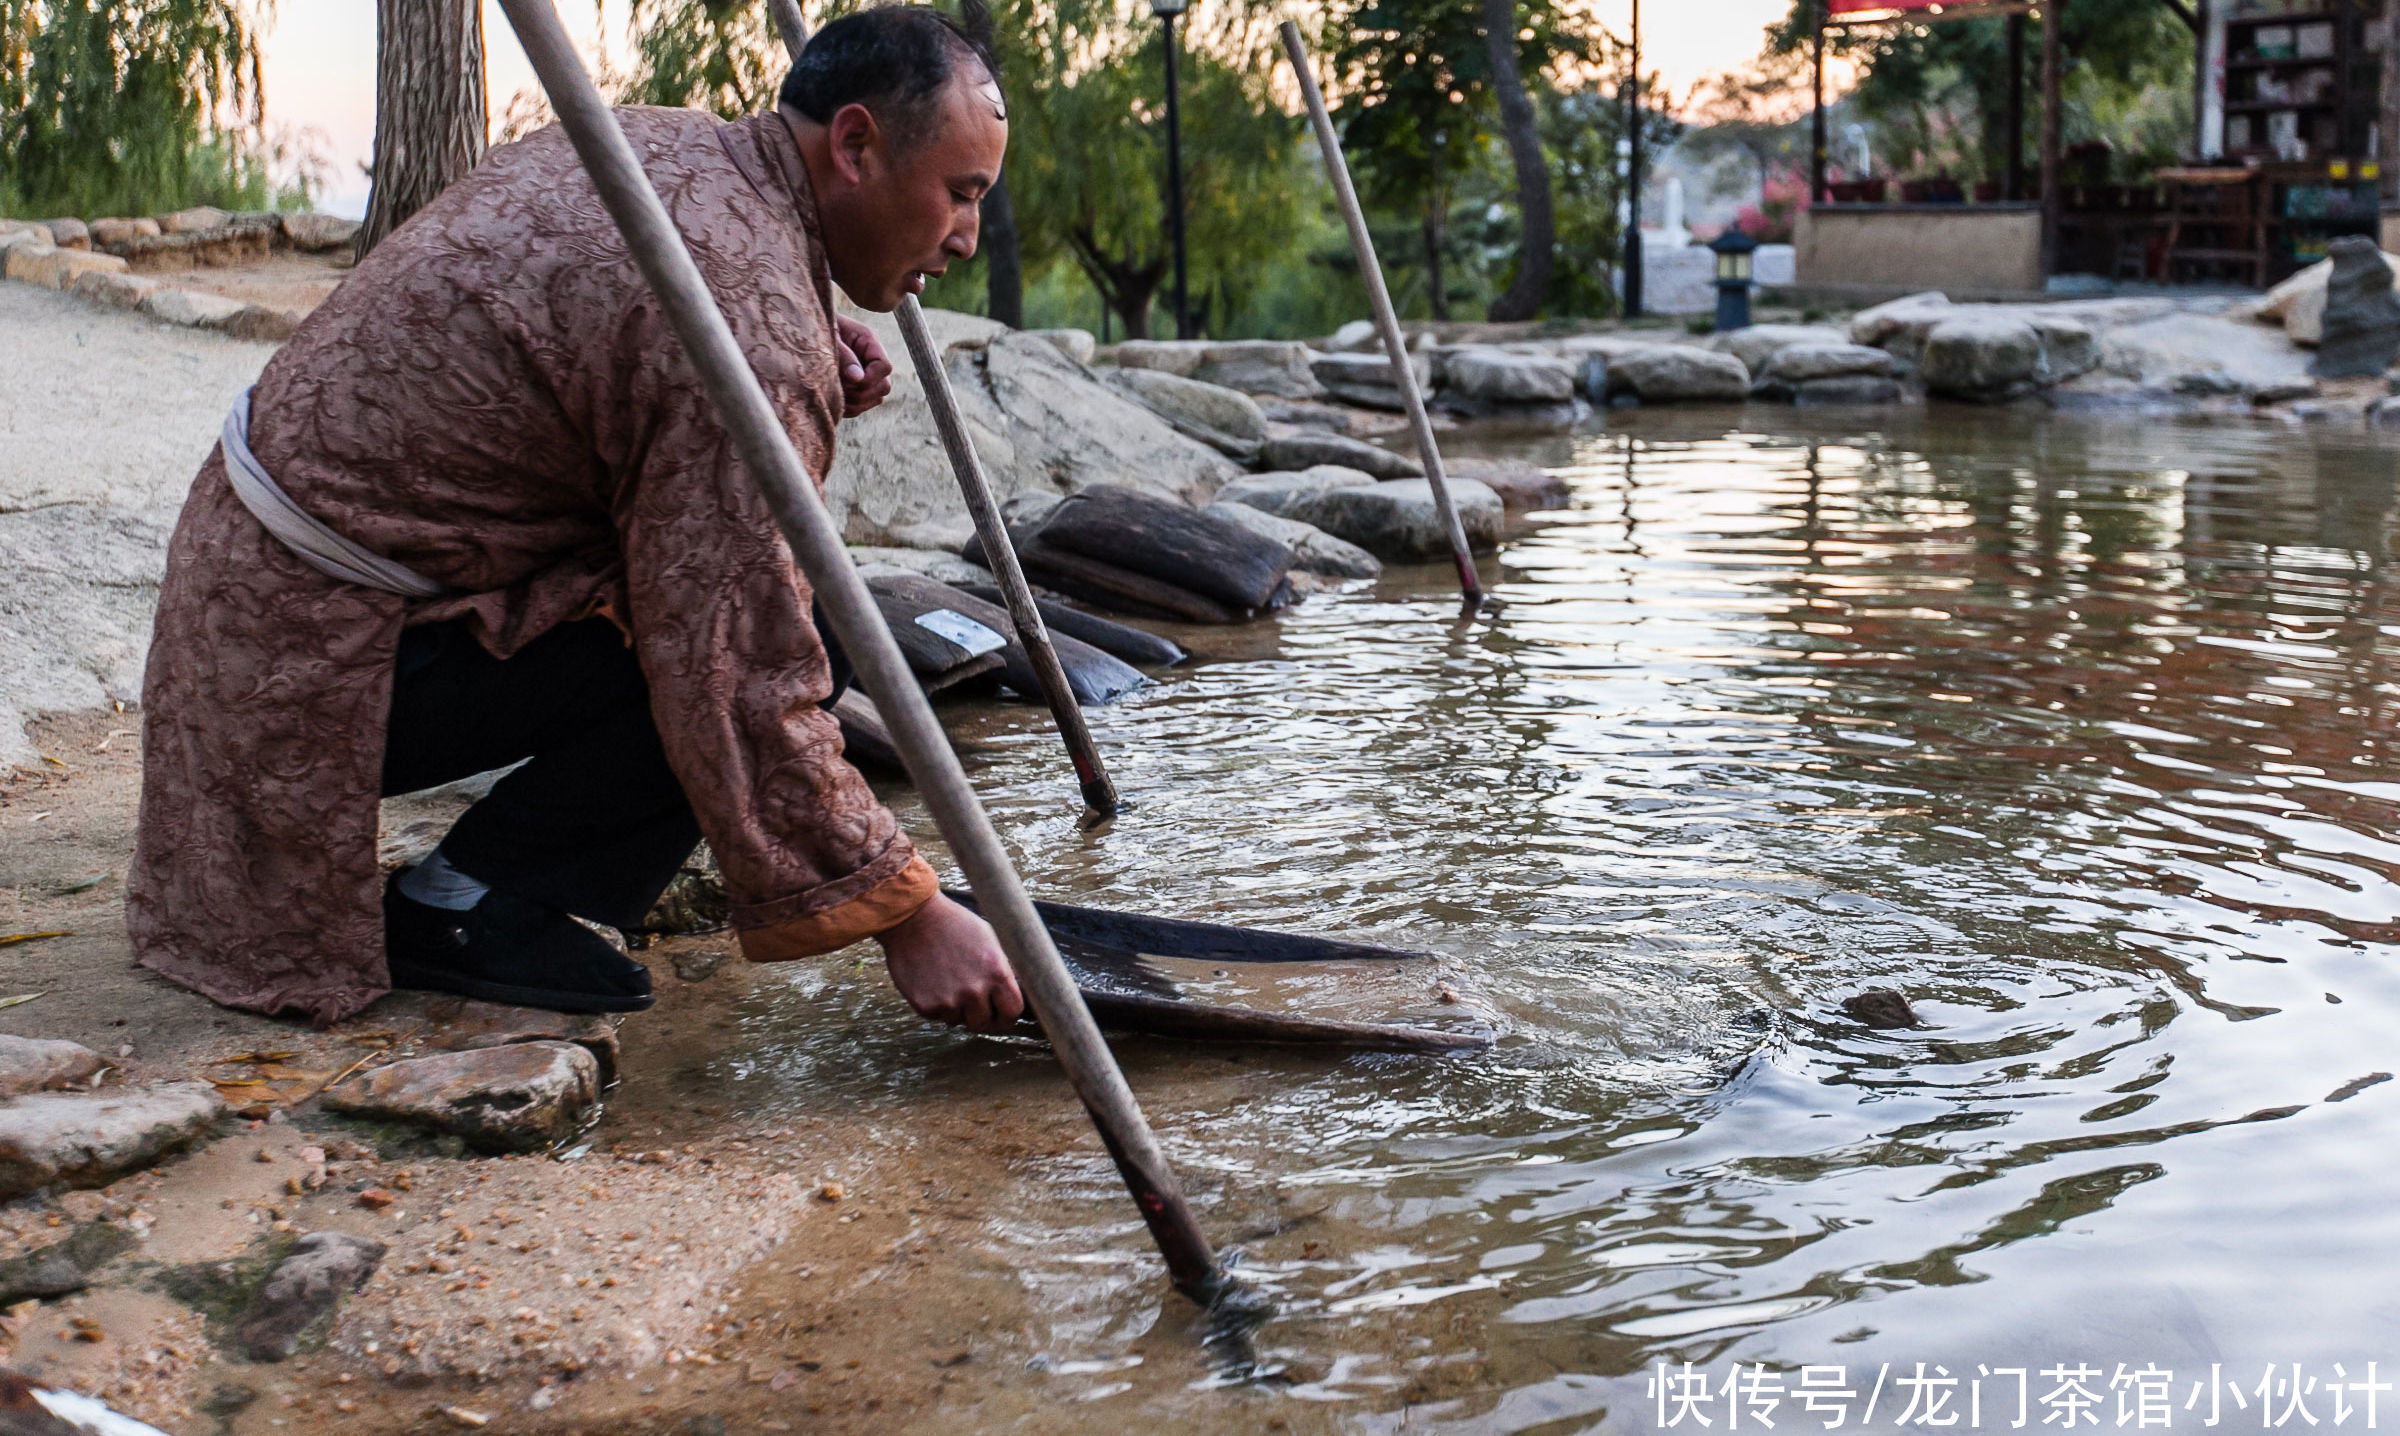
1168,9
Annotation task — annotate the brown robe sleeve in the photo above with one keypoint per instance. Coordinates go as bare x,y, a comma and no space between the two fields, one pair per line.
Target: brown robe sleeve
720,613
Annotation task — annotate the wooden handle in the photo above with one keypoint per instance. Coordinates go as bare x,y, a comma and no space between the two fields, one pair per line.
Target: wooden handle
1387,320
767,454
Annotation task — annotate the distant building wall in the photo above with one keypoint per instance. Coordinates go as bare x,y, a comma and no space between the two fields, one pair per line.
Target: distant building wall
1977,248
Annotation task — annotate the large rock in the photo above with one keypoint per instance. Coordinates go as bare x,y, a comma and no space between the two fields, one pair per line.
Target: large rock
56,268
110,232
460,1025
316,233
1397,519
304,1288
1077,344
41,1064
1982,354
2362,316
1040,421
199,219
1366,379
231,247
1499,377
263,322
520,1097
1313,549
1294,452
1678,373
114,288
1275,492
1819,359
1900,325
1356,337
1226,420
1755,344
1179,357
191,307
2298,303
90,1140
27,228
69,233
1275,367
2201,355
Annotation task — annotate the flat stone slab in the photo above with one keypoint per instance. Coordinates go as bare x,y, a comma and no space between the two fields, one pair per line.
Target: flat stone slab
1677,374
89,1140
1274,493
463,1026
1521,486
190,307
1500,377
42,1064
58,268
1292,453
513,1097
1226,420
304,1288
312,233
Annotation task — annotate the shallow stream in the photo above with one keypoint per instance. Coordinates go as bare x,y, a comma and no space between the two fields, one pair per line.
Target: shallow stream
2074,731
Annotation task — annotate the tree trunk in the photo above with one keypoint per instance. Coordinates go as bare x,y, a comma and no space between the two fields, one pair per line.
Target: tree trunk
1127,286
1540,234
1437,288
1004,267
429,109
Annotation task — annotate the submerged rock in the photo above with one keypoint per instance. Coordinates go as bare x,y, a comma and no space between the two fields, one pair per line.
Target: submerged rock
1291,453
520,1097
304,1288
89,1140
41,1064
1880,1007
2362,315
1521,486
1847,389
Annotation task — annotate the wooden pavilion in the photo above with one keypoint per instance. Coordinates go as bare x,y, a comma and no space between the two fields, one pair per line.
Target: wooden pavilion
2295,111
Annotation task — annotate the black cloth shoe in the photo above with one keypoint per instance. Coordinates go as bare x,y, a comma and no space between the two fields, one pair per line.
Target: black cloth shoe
508,950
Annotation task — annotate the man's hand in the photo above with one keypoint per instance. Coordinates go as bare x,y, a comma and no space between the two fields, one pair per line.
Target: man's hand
866,371
949,966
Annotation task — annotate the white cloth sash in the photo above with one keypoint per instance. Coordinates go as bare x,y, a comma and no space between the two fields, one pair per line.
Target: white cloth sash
320,547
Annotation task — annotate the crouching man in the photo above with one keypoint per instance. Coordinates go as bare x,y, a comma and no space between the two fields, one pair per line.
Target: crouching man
478,512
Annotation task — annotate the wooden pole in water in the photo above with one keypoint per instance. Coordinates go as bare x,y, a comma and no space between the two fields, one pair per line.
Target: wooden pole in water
1387,321
1016,594
766,451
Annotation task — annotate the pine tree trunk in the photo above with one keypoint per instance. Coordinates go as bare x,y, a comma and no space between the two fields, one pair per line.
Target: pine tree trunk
1437,288
1539,228
1004,271
429,107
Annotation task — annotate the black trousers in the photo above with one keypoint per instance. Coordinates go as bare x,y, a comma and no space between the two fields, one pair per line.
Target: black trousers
595,823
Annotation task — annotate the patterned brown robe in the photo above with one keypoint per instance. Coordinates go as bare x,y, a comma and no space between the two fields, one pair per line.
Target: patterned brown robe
494,400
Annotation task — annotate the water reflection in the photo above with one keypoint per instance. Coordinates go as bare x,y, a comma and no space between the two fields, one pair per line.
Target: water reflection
2075,731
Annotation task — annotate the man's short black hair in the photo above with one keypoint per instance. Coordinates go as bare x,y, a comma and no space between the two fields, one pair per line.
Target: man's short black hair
895,59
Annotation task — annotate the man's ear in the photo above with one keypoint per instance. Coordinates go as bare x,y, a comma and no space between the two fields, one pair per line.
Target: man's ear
854,137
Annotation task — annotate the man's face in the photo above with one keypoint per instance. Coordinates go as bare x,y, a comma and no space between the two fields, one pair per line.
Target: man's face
895,219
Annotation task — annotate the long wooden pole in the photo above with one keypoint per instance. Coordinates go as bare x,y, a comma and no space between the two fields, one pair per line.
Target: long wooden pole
1387,320
1090,773
766,451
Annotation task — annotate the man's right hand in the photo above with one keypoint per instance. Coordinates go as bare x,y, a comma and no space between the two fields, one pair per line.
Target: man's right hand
948,964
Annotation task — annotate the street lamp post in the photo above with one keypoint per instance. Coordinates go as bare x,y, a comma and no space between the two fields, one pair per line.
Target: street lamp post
1634,258
1167,11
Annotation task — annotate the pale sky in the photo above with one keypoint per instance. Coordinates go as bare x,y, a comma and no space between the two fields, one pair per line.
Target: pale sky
320,63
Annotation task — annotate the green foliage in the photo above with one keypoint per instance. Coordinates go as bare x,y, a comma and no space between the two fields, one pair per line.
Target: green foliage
719,55
1934,92
132,107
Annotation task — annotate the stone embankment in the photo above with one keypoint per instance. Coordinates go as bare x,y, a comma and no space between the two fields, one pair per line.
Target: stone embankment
117,262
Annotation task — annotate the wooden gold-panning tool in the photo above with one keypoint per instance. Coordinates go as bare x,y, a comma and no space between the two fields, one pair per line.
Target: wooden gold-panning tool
1107,952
